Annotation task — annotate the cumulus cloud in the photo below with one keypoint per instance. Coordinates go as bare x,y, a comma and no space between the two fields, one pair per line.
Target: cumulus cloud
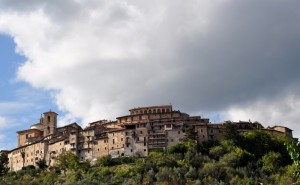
100,58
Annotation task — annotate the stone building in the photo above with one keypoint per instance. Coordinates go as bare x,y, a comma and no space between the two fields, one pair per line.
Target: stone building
145,129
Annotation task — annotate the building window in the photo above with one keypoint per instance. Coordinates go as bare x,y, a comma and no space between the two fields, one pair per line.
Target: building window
145,150
105,148
98,149
131,150
121,139
141,132
211,130
113,141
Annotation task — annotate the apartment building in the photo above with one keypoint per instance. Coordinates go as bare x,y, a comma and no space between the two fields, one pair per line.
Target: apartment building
143,130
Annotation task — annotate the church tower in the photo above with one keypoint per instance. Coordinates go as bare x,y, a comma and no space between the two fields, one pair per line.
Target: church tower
50,123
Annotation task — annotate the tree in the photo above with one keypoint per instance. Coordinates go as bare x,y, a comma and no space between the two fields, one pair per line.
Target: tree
230,132
293,148
105,161
66,160
23,157
190,134
271,162
178,148
41,163
3,163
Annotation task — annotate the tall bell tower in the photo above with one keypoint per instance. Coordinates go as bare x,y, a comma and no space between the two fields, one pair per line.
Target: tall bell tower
50,122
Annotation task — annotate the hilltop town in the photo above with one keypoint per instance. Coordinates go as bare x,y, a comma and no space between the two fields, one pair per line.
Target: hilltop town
144,130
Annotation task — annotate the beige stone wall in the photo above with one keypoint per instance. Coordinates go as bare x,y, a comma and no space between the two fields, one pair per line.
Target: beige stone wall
54,149
33,153
101,147
15,159
129,148
141,140
116,143
174,136
284,130
24,135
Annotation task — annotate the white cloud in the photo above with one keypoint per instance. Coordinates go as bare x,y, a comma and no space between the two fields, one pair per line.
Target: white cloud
100,58
104,58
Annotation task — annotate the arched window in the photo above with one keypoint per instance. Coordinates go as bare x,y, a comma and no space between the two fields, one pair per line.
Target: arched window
150,111
158,110
154,111
168,110
48,119
163,110
145,112
48,129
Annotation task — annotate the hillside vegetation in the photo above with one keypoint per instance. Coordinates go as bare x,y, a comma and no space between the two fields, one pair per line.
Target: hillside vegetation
253,158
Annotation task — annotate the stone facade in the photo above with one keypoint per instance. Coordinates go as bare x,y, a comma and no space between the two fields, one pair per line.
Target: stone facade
144,130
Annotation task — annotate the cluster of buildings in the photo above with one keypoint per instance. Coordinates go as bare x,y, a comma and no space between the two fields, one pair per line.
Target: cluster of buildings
145,129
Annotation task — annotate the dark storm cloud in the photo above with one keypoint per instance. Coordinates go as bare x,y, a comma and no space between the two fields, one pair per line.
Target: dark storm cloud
250,51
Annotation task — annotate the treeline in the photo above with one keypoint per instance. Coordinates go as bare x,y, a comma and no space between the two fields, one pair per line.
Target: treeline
253,158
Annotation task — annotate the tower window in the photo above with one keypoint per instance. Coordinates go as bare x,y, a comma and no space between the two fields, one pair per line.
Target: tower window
48,119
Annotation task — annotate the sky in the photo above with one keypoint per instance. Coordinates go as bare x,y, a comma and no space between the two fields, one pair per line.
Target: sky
91,60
